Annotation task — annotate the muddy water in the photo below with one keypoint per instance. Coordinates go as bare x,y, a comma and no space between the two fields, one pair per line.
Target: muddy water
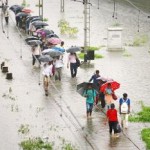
27,104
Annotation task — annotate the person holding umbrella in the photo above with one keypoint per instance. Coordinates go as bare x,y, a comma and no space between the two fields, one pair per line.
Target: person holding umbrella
36,52
73,66
90,94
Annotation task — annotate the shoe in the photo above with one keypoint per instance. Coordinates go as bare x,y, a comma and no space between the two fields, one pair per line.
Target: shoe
116,135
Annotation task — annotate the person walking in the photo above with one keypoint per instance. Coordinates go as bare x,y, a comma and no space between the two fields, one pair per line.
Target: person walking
47,73
90,95
58,63
36,52
112,119
6,13
124,109
73,66
108,96
95,80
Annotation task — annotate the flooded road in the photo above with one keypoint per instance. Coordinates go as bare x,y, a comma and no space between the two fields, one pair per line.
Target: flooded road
62,113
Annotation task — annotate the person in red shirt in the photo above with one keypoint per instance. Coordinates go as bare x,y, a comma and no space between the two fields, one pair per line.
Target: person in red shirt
112,119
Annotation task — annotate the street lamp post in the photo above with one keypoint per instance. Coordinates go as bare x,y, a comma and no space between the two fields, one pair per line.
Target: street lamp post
62,5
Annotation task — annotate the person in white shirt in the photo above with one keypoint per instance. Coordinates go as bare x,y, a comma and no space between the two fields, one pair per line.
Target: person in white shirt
36,52
6,12
47,73
58,63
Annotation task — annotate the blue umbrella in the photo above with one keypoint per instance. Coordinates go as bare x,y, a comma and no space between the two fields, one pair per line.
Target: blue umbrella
61,49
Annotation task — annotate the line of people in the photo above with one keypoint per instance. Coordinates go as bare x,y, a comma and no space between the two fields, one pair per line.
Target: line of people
94,95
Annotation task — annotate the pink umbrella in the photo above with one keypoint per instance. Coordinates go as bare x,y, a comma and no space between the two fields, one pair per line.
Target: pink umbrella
26,10
54,41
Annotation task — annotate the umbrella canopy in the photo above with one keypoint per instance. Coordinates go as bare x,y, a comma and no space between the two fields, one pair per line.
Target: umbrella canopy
45,58
22,14
52,35
39,23
114,85
51,52
44,32
84,86
73,49
26,10
54,41
31,38
61,49
36,19
16,8
34,42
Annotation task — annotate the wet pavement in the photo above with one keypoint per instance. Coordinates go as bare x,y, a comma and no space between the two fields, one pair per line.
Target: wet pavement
62,113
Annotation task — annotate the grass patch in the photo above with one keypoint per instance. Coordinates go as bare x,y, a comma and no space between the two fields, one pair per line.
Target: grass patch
97,56
142,116
36,144
45,19
66,29
140,40
24,129
146,137
116,24
126,54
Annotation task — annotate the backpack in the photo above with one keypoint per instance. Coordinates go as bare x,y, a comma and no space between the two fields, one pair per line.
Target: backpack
124,107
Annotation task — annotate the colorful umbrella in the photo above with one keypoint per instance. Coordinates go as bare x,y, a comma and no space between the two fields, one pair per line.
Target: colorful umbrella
61,49
54,41
114,86
26,10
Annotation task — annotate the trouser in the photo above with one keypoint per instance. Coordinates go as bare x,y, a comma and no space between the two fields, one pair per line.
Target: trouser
34,57
102,99
73,69
89,107
113,126
58,73
6,19
124,120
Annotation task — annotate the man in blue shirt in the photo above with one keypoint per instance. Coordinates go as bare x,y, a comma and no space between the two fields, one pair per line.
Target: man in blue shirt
90,95
94,78
124,109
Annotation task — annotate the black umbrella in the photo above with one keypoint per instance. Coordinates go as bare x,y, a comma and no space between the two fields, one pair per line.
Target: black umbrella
73,49
45,58
16,8
31,38
84,86
52,35
36,19
39,23
22,14
34,42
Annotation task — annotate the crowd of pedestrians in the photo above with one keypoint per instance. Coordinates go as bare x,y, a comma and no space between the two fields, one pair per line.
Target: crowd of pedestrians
94,95
54,67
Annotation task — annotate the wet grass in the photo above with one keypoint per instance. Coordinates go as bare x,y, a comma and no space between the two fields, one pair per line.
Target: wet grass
24,129
140,40
146,137
36,144
142,116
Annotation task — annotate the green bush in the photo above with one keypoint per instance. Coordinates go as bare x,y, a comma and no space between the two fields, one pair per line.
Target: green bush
140,40
66,29
142,116
35,144
146,137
